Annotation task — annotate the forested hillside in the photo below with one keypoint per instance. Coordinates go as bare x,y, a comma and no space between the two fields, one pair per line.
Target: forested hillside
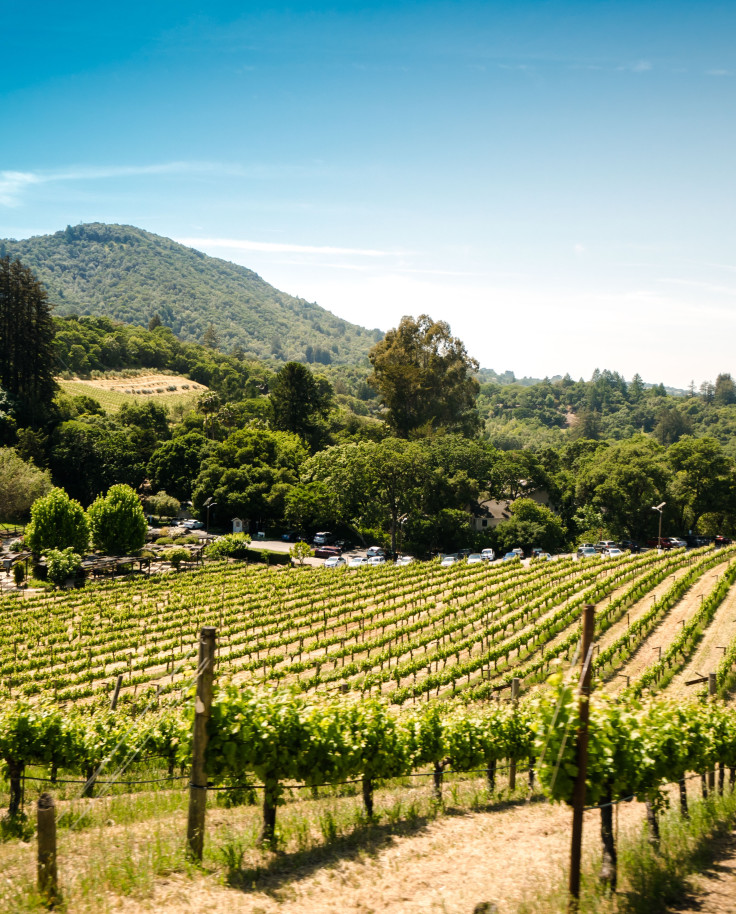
123,272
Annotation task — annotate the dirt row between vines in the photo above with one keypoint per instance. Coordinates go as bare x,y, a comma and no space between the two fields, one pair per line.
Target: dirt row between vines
665,631
709,654
506,857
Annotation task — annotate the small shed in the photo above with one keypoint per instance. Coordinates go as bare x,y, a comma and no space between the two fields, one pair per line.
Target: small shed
237,525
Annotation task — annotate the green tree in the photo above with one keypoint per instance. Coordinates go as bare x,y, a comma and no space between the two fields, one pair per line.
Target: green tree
21,483
300,402
163,505
250,473
371,482
27,357
531,524
704,478
117,522
725,390
57,522
624,481
300,551
174,464
424,377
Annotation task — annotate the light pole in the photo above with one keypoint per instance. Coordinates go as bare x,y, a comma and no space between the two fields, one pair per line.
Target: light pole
210,503
659,508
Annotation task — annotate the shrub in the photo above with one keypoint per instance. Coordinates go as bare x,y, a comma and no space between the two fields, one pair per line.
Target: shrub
230,546
19,573
301,551
176,556
62,564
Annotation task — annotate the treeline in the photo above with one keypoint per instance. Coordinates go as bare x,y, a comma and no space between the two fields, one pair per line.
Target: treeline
287,448
606,407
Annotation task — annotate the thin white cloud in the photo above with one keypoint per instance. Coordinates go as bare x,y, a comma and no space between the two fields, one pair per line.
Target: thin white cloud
639,66
12,185
719,73
578,250
279,247
696,284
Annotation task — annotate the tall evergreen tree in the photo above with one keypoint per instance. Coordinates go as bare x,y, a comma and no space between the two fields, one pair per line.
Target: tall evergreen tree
26,341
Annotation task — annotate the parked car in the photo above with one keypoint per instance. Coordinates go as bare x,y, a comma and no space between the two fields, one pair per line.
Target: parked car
292,536
193,524
464,553
587,552
722,540
324,552
657,543
449,559
404,560
488,555
356,561
542,557
475,558
630,546
374,550
536,550
519,552
377,560
613,553
322,539
603,545
678,542
334,561
510,556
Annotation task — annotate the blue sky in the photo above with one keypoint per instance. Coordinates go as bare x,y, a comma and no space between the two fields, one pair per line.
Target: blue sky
554,179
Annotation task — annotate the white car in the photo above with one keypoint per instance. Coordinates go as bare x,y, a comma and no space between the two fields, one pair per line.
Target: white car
357,561
543,557
488,555
613,552
377,560
373,550
334,561
475,558
449,560
405,560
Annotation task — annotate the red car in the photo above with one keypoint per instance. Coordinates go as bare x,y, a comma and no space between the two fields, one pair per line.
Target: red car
324,552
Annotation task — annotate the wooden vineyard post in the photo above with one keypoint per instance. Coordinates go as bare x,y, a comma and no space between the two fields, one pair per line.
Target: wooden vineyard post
116,693
515,683
202,710
48,887
712,689
578,799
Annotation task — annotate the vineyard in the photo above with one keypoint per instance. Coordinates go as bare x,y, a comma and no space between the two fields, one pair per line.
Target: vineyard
332,678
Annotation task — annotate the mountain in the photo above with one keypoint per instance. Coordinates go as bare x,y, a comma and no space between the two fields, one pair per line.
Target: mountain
125,273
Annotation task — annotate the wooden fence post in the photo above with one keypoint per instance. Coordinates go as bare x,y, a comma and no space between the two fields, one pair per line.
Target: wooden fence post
712,688
202,710
515,683
578,800
48,886
116,693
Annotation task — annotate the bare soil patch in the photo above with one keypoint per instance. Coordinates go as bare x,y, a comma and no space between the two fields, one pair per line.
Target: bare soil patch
648,653
706,658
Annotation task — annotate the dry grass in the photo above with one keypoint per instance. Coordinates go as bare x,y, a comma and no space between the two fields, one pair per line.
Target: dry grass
112,393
